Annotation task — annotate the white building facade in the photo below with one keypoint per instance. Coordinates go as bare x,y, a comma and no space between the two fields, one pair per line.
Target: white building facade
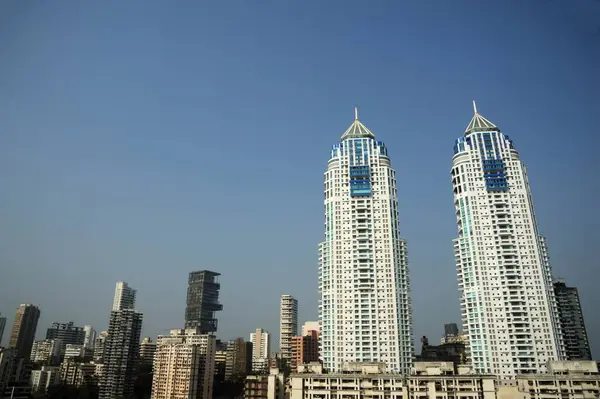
365,309
124,296
261,348
508,308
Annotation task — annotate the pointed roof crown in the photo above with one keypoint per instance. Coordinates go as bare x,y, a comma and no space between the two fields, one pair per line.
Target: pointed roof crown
479,123
357,129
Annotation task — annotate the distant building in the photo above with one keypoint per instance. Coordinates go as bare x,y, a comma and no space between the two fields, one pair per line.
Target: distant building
220,364
450,330
44,378
147,350
78,373
121,354
68,333
203,301
124,296
570,315
309,326
261,347
90,337
23,331
239,359
99,347
184,365
266,386
451,352
47,351
288,326
75,352
305,349
426,380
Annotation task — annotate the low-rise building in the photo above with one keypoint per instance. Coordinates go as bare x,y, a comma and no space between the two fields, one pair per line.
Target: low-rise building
564,380
76,373
430,380
271,386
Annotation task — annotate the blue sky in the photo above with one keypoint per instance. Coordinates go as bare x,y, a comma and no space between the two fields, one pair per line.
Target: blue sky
142,140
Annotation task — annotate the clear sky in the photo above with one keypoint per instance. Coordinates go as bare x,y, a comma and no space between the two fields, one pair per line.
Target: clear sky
142,140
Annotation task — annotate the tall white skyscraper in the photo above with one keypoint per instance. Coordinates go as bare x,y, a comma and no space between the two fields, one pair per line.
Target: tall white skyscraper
124,296
507,301
261,348
365,308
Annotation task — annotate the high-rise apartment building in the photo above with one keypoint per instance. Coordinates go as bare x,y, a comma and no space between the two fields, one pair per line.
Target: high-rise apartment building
288,325
89,337
203,301
68,333
261,349
121,354
508,306
23,331
577,346
184,365
365,309
124,296
147,350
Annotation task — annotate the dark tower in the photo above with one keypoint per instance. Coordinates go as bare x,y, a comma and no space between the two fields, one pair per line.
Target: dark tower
203,301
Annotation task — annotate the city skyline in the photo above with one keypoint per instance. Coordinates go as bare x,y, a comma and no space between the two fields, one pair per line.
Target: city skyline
112,176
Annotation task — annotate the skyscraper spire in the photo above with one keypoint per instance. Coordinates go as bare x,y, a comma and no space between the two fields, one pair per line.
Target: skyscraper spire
355,113
479,123
474,107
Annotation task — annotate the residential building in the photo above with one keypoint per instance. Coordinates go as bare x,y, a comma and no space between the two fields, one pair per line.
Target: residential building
44,378
239,359
265,386
370,380
147,350
305,349
121,354
564,380
570,315
23,331
220,363
288,326
508,306
89,337
261,348
309,326
75,352
124,296
78,373
363,262
15,374
47,351
99,347
67,333
203,301
2,326
184,365
461,338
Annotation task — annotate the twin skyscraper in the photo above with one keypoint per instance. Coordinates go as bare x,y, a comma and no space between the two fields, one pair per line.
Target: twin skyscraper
508,308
